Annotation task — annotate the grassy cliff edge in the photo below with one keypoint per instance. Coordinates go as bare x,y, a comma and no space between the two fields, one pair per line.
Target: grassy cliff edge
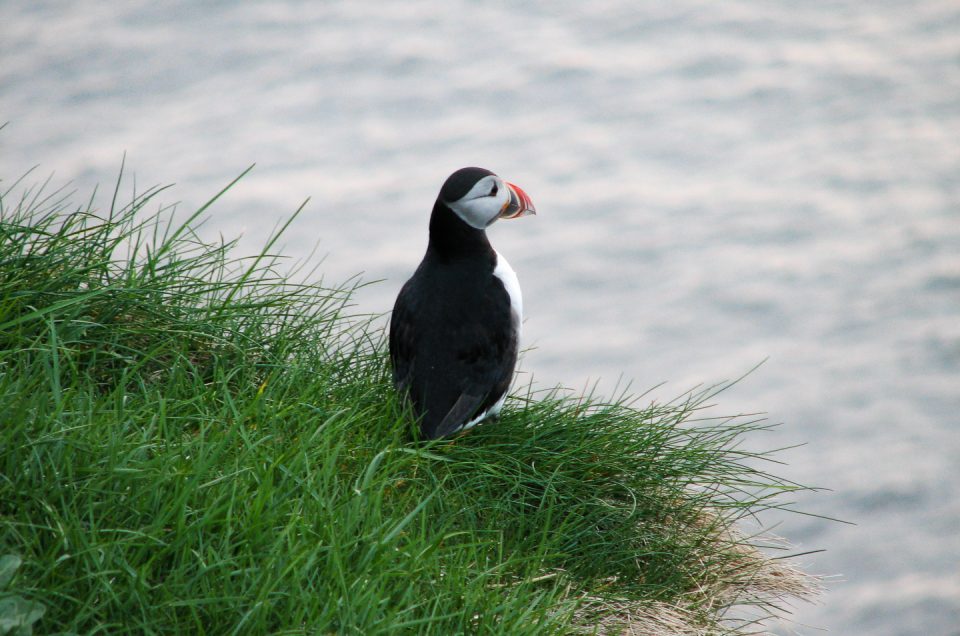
191,442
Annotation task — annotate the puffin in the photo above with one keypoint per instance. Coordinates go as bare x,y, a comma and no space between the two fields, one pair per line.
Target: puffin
455,326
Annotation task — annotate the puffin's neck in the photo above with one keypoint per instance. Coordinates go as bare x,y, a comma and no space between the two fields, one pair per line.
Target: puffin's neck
451,237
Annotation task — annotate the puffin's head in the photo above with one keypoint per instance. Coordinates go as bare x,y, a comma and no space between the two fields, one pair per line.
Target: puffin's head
480,197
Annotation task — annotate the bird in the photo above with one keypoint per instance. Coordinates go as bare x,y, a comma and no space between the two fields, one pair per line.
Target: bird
455,326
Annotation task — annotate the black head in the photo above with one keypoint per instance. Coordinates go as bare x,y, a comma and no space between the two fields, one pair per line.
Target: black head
460,183
479,197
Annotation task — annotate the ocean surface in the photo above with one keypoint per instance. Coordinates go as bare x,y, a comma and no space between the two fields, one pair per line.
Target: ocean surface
718,184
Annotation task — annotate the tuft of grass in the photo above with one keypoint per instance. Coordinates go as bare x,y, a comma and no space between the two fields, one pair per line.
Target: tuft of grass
194,443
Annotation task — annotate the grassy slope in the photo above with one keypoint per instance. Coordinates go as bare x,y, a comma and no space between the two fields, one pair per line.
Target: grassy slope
193,444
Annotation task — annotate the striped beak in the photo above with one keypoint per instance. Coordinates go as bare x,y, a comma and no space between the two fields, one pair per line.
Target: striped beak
518,205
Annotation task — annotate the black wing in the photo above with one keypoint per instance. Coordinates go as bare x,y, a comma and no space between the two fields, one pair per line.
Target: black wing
403,341
455,358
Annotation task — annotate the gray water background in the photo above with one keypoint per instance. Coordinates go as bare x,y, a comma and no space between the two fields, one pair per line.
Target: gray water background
718,183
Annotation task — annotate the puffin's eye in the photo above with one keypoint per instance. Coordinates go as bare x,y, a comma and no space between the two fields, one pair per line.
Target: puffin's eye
494,191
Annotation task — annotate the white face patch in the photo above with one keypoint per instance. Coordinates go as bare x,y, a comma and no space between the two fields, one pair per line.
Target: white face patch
483,203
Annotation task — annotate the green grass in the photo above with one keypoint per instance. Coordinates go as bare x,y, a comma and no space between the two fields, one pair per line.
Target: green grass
190,442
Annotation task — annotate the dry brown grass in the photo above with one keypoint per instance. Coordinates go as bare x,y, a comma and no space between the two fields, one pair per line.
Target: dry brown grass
744,588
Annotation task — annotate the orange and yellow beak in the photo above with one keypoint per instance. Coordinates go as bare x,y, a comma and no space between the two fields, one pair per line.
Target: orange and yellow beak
518,205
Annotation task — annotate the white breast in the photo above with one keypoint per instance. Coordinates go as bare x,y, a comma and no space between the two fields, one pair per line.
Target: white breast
508,277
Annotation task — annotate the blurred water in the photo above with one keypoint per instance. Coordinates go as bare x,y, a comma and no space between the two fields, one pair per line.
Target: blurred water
717,183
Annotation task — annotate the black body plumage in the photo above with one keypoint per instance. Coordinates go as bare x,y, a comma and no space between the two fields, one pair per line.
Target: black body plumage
453,334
